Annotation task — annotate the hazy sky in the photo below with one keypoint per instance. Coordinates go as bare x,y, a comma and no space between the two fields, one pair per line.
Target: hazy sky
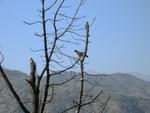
120,35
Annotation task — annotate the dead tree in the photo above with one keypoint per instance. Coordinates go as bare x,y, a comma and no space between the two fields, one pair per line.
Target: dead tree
2,73
82,67
80,101
34,91
55,40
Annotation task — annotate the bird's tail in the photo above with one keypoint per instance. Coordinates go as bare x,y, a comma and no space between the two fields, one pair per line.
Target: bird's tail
86,56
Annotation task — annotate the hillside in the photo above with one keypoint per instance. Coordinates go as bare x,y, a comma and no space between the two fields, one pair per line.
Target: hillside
129,94
128,104
126,84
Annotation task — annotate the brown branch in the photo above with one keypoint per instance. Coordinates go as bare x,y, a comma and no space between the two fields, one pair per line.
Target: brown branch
59,63
51,6
58,84
32,23
33,88
52,96
49,57
73,19
70,67
13,90
69,17
94,99
82,68
46,57
68,109
68,41
77,34
56,37
83,104
105,104
38,50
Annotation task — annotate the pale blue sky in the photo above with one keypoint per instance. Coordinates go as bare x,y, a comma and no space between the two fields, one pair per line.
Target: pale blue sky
120,35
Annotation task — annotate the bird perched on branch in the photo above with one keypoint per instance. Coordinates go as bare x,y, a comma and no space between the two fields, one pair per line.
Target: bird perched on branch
87,26
80,54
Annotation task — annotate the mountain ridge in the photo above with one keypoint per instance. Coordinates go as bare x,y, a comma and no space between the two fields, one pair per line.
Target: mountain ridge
129,94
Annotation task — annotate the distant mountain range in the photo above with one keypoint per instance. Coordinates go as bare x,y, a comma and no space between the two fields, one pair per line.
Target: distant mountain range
126,84
129,94
145,77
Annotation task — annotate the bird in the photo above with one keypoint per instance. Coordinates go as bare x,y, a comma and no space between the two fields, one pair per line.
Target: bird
80,54
87,26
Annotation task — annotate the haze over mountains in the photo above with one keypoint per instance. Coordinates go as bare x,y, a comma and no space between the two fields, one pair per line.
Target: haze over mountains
145,77
129,94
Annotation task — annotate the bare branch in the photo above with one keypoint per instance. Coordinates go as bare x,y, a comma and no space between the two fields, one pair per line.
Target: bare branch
46,57
82,67
57,84
72,21
52,96
70,67
76,18
103,109
32,23
2,73
51,6
84,104
93,98
68,41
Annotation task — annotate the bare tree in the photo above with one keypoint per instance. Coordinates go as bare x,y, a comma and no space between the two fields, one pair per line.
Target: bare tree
60,31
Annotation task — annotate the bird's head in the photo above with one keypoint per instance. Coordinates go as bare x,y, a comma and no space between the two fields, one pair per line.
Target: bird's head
75,51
